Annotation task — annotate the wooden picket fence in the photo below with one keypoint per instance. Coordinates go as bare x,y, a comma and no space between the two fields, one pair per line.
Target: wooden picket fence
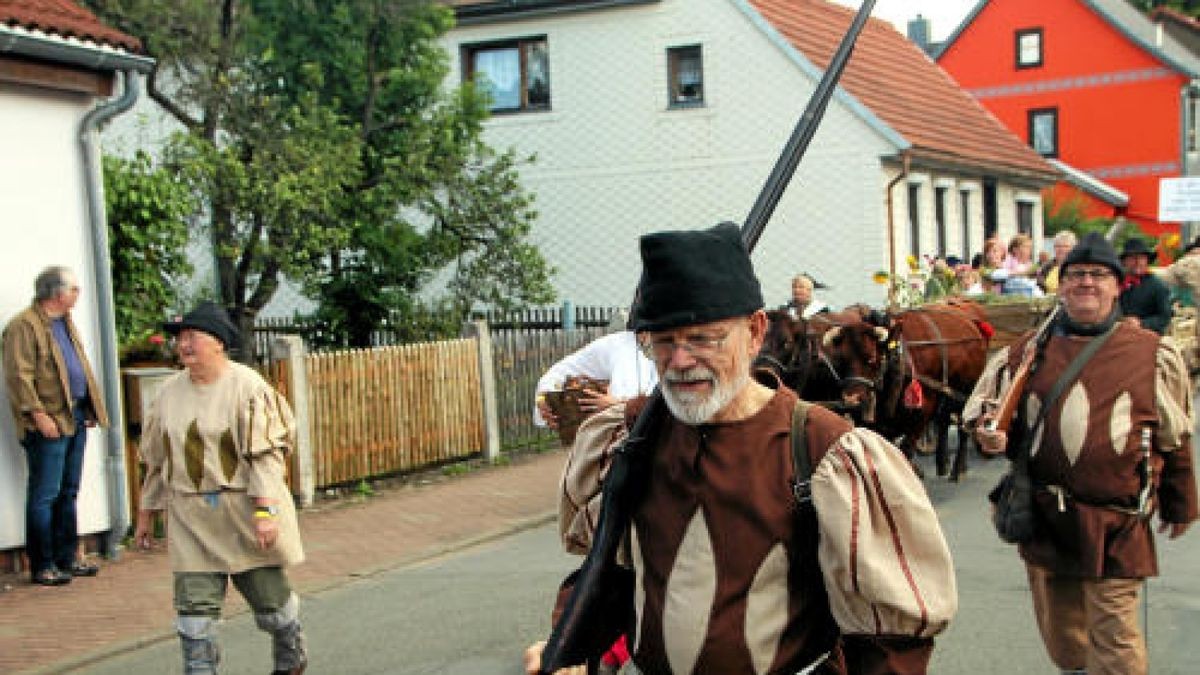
386,410
521,358
391,409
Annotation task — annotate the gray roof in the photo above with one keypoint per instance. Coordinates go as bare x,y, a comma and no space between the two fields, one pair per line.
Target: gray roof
1125,18
1139,28
1090,184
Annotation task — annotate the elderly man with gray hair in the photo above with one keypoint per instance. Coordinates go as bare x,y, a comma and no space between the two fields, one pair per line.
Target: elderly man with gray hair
1047,275
54,398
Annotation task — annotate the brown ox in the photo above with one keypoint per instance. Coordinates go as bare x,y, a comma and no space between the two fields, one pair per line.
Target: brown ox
797,351
939,350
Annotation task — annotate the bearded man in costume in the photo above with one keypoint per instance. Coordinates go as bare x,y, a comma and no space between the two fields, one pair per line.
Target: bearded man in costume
737,564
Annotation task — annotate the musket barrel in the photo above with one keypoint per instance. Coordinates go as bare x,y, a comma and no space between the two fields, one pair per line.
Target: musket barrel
570,631
806,127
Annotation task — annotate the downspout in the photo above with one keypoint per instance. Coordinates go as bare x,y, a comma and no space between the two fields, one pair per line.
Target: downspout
1186,122
89,134
891,228
55,49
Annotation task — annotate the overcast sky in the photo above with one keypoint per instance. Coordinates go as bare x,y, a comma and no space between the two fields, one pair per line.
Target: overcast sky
944,15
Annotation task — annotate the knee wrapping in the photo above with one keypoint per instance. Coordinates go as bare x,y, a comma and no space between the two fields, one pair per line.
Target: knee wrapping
281,618
196,627
287,636
198,635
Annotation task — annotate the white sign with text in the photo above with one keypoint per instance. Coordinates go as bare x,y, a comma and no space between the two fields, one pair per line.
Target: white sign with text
1179,199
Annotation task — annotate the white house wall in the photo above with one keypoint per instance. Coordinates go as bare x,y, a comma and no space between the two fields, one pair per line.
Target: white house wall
44,220
1007,196
613,162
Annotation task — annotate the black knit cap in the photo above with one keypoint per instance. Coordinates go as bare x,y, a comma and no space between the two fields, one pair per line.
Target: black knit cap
695,277
1094,249
210,318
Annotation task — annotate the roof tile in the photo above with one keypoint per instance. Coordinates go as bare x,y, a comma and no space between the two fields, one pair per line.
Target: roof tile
66,19
898,82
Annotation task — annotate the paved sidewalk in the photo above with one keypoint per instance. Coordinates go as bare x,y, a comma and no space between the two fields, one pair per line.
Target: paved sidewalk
51,630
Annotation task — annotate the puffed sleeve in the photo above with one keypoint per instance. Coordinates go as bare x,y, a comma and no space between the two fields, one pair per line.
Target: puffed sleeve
269,435
887,568
154,451
1177,487
994,381
1173,396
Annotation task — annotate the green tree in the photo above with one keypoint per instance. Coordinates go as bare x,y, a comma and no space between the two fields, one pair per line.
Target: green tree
147,209
1070,214
433,196
1189,7
325,150
267,170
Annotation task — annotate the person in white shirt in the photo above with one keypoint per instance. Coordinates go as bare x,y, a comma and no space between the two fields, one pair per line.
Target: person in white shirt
615,358
803,304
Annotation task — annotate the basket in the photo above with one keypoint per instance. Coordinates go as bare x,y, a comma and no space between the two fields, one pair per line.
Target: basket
565,405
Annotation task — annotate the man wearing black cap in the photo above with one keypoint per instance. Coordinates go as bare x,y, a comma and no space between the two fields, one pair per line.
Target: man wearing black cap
1144,297
215,443
1113,447
733,570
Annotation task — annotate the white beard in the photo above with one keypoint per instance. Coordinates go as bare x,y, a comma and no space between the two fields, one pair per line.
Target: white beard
694,408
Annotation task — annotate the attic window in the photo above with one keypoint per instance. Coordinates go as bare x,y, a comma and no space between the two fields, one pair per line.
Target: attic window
685,75
1029,48
1043,131
515,73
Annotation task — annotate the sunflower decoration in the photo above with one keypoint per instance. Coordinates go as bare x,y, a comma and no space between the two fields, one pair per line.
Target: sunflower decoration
914,265
1168,246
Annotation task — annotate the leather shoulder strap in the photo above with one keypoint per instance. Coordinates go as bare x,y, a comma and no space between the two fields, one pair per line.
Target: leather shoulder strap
801,461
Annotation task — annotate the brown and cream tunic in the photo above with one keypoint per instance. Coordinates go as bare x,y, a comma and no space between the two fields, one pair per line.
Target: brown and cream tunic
209,450
730,578
1087,457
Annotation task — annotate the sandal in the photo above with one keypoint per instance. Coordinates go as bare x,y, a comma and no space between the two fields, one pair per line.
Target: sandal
51,577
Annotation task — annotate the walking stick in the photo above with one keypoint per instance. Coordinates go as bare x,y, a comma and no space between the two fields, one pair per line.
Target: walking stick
629,470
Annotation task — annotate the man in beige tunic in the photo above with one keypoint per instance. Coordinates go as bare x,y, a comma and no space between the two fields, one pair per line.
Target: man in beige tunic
732,570
214,444
1111,450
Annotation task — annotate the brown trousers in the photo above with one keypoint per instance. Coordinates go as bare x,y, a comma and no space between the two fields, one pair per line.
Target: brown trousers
1089,624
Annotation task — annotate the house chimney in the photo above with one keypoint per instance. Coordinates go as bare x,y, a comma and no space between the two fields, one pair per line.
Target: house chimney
918,32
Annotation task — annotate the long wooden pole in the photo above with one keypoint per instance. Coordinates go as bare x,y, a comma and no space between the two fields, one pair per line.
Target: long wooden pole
568,643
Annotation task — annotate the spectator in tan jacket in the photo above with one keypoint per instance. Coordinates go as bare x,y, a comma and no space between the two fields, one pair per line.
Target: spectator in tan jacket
54,399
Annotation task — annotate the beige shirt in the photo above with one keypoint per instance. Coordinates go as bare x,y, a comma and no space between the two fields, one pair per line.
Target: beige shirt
209,450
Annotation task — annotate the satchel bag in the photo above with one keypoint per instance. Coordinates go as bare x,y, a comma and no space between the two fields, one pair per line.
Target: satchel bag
1013,516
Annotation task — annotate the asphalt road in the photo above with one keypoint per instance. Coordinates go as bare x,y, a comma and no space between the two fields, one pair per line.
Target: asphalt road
472,613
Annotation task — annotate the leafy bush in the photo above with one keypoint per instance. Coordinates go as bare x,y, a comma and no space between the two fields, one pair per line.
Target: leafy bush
147,208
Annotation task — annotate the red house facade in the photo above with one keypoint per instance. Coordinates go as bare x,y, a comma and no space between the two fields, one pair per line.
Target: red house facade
1093,83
